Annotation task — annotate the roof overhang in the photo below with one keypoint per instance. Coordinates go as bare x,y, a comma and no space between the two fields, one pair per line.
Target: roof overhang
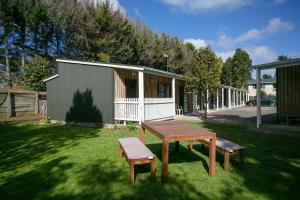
129,67
50,78
279,64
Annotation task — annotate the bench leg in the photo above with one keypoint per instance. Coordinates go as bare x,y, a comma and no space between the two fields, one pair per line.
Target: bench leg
176,146
190,145
242,157
131,172
152,168
226,160
120,151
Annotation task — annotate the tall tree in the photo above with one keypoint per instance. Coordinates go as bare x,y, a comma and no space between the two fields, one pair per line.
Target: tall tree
283,58
204,73
7,12
237,70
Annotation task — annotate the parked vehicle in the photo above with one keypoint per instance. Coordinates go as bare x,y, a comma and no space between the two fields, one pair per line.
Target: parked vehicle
264,102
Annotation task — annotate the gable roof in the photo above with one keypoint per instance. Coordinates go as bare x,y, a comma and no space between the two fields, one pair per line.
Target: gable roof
123,66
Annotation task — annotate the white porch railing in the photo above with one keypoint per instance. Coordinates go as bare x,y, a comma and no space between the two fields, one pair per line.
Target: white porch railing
159,108
127,109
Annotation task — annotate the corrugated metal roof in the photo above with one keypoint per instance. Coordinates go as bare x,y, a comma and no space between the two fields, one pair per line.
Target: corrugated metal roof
278,64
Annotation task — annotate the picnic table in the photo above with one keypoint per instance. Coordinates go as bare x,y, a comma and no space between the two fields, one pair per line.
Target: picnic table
177,131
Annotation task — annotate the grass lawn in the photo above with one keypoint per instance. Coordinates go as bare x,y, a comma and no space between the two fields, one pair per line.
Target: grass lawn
65,162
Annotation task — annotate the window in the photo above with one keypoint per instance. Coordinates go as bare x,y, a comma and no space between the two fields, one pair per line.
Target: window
131,88
163,90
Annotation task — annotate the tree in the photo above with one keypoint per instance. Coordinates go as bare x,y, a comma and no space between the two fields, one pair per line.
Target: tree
34,74
237,70
204,73
267,76
283,58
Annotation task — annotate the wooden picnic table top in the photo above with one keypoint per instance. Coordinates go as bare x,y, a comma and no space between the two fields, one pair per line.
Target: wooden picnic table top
178,129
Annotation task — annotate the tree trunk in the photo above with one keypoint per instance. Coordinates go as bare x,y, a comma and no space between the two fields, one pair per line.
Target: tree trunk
57,44
23,40
8,77
35,47
206,105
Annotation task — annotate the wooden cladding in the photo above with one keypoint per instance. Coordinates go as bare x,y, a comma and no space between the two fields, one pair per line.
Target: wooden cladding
288,92
151,84
121,76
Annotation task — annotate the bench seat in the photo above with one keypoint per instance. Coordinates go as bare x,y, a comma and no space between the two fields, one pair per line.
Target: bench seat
227,147
136,153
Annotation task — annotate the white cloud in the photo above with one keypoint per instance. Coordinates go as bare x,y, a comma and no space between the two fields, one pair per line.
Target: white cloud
225,54
198,43
198,6
274,26
115,5
137,13
262,54
276,2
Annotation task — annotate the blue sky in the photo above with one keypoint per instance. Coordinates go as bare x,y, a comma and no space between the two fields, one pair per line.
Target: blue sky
264,28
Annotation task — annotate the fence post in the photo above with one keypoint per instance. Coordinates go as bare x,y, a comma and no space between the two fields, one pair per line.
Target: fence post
36,108
9,106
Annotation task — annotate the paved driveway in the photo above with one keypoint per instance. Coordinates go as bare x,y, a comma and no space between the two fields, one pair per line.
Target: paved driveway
269,114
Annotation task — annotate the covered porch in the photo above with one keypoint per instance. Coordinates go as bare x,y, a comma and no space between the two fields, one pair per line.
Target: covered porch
147,94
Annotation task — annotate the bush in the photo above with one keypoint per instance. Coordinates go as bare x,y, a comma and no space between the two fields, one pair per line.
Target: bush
131,126
34,74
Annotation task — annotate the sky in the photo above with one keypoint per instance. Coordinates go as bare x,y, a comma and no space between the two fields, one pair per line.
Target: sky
264,28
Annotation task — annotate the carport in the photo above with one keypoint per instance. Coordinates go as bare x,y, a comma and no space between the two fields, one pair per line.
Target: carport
288,89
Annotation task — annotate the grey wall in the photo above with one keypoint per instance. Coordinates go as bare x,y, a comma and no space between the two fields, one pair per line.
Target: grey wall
81,93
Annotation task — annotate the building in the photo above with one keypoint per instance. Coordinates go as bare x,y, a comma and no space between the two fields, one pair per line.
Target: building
267,85
288,89
105,93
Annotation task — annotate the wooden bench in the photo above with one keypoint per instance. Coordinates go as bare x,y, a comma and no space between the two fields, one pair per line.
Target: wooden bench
136,153
227,147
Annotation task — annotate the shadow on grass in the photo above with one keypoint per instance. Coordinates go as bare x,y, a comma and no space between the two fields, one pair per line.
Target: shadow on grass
182,156
32,167
22,144
272,162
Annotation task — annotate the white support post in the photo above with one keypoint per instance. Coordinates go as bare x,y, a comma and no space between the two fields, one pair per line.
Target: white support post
240,93
217,99
141,97
258,103
173,96
222,106
234,95
229,98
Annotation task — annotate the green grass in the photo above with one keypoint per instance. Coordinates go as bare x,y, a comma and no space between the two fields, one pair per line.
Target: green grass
64,162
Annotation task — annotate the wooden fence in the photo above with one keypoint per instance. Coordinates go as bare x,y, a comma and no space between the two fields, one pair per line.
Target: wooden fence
18,103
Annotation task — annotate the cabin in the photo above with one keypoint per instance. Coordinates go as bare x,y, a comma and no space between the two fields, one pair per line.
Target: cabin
288,89
104,93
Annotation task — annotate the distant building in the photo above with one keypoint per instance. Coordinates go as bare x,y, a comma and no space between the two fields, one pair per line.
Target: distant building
267,85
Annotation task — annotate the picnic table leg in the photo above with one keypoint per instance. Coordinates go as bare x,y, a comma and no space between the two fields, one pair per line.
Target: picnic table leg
226,160
152,167
176,146
165,160
212,156
190,145
143,135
